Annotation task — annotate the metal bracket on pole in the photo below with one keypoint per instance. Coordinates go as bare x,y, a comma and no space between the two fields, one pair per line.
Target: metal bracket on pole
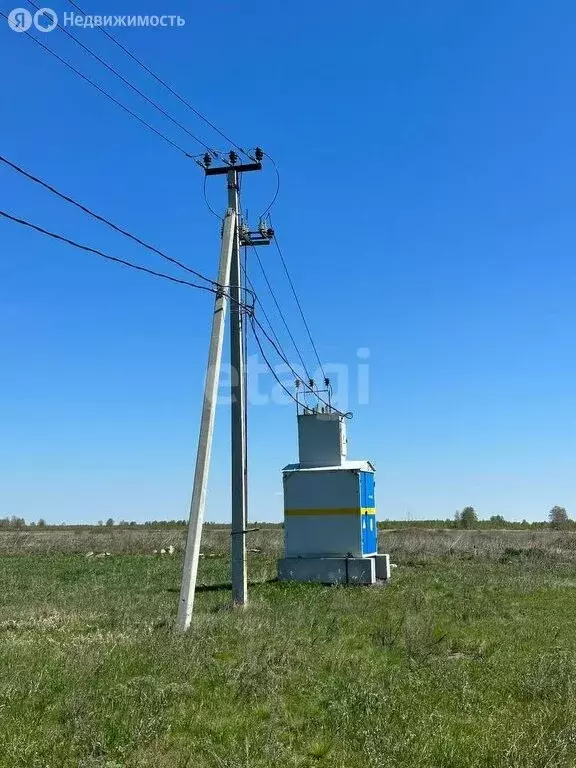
192,553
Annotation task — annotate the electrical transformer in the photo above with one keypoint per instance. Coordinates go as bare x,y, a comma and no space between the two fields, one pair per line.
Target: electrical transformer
330,532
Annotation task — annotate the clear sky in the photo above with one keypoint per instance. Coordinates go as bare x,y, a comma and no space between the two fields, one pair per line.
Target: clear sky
428,179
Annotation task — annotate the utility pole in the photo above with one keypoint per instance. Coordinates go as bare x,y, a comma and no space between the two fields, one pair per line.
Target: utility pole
192,553
238,406
229,278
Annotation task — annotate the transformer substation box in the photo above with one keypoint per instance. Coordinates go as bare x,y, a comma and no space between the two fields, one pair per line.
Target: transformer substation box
330,531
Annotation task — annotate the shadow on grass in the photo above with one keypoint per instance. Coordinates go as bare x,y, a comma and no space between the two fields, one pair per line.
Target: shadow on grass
224,587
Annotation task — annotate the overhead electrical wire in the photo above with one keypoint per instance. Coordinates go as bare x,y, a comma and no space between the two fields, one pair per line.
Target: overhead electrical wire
109,223
277,348
269,366
265,314
212,211
275,342
138,267
254,320
281,313
132,86
282,259
106,256
108,95
277,191
165,85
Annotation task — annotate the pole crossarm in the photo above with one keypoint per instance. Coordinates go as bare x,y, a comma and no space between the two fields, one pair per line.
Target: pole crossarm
242,168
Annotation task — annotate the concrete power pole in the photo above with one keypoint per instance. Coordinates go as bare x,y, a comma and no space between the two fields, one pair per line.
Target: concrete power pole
229,277
192,553
238,421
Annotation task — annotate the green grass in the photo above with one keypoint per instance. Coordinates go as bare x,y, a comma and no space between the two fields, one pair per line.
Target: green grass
456,663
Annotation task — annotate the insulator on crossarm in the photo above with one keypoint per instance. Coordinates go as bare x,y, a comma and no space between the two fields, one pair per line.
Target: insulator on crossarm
258,154
233,157
207,160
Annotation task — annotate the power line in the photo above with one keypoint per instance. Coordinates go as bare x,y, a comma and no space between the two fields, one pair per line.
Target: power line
277,244
277,348
255,320
259,302
109,223
276,343
270,368
105,93
277,191
280,312
107,256
165,84
212,211
130,85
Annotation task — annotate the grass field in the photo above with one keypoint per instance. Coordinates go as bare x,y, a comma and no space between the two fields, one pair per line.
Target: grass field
466,659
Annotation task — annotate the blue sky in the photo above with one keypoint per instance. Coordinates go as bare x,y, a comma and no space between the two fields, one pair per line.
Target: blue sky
427,162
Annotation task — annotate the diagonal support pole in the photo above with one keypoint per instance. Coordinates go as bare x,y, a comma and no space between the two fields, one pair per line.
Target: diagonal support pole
198,503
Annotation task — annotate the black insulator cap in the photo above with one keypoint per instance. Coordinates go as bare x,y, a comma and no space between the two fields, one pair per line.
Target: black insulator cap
311,383
207,160
233,157
326,382
258,154
270,233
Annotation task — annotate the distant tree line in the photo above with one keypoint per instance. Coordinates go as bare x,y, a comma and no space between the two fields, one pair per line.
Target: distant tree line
468,518
19,523
465,518
13,522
